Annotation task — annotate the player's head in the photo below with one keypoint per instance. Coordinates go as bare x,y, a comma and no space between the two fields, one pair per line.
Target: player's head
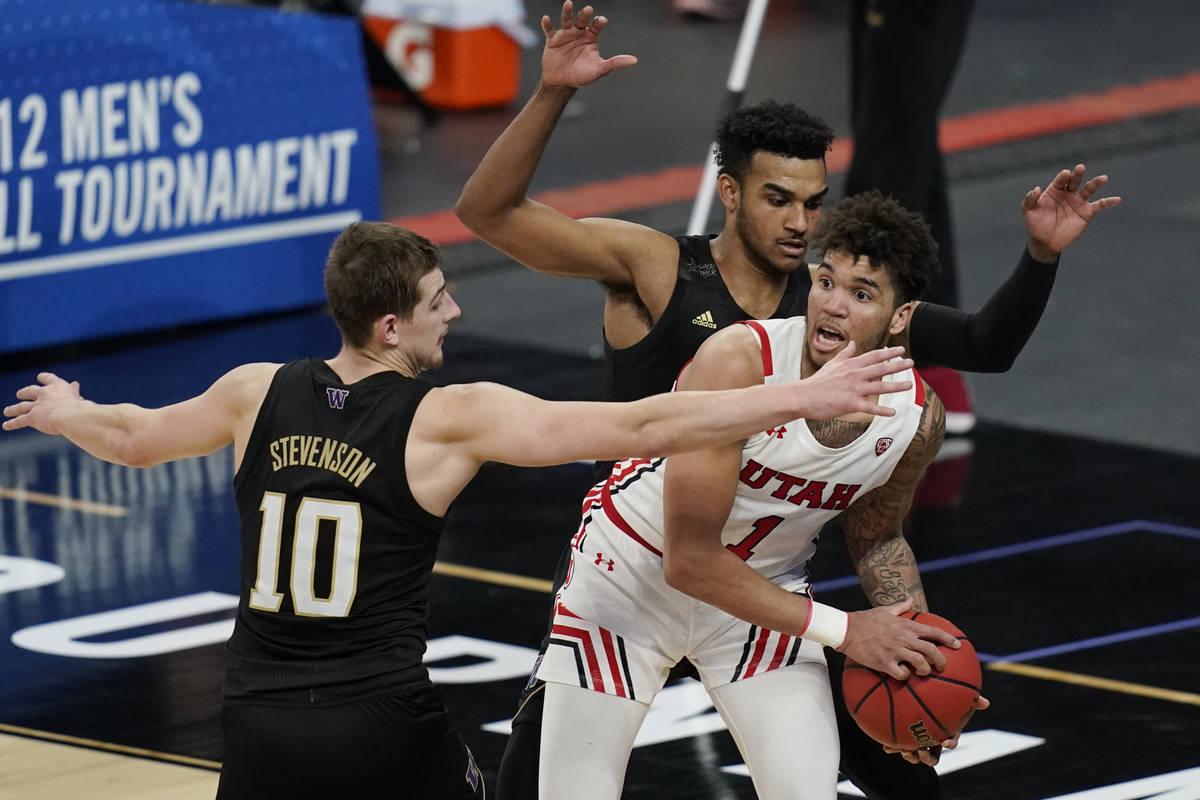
878,258
384,280
771,159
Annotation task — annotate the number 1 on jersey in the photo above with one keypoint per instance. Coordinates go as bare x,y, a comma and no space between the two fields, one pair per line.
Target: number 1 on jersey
745,548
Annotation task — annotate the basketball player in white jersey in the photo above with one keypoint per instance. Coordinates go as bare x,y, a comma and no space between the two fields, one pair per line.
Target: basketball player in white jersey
703,555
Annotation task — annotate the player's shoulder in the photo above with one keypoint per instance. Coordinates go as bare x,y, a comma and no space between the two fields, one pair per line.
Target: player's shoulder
648,253
248,379
931,427
731,357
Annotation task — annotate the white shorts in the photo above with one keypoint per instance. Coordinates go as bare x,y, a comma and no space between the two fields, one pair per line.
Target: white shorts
619,628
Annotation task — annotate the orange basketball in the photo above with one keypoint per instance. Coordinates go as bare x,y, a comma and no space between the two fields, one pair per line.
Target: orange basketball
923,710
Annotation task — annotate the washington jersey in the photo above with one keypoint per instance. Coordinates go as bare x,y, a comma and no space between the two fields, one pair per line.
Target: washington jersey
336,552
789,485
700,305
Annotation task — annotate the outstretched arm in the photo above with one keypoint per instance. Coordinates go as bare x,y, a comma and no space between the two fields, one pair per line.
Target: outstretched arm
491,422
458,428
990,339
142,437
494,204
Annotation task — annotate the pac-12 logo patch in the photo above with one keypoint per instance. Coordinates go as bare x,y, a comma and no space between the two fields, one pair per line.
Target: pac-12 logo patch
882,444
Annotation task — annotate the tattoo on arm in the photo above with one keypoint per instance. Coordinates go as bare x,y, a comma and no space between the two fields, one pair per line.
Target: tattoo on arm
873,526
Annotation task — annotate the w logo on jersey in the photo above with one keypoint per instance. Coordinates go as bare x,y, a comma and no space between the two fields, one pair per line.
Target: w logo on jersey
337,397
882,444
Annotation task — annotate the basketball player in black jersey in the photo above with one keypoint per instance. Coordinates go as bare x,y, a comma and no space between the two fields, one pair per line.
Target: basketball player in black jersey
666,294
344,470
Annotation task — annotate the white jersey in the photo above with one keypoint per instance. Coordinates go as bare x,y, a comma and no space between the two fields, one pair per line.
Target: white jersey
790,484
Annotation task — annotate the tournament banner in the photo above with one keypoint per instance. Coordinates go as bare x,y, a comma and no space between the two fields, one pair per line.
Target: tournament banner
166,162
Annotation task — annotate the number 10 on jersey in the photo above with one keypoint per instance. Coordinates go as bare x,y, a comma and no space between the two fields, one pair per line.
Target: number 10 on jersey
347,520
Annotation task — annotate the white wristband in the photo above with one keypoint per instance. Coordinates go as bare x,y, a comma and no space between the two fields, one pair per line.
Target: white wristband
826,624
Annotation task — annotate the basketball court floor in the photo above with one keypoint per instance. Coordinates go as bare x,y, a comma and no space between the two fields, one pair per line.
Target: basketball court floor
1062,534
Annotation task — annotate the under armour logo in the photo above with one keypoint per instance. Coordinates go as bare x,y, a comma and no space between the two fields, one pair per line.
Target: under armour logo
882,445
602,561
779,432
337,397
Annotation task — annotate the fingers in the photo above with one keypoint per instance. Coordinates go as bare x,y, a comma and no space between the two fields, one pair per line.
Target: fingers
929,755
584,18
568,14
901,607
939,636
18,412
877,371
875,356
616,62
1090,188
1030,200
547,26
887,387
932,654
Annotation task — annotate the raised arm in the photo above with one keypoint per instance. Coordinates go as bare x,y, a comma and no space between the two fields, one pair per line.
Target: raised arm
990,339
494,204
142,437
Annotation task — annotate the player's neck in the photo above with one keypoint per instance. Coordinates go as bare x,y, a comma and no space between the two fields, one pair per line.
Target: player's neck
352,364
756,288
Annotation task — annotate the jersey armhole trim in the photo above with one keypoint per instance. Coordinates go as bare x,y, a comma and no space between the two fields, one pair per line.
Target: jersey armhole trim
764,342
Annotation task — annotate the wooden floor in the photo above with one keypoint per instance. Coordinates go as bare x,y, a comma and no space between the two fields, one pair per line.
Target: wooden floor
35,769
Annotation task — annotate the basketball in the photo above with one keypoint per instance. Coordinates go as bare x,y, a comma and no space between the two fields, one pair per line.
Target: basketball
923,710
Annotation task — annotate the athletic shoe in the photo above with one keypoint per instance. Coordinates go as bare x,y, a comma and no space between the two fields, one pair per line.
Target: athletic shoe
724,10
950,387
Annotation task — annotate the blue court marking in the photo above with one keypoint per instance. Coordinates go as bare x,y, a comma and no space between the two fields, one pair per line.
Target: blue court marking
1007,550
1097,641
1058,540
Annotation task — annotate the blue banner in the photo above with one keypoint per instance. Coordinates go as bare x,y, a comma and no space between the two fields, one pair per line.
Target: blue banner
167,162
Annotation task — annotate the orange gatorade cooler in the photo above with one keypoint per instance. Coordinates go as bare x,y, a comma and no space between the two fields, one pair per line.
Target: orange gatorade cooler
455,54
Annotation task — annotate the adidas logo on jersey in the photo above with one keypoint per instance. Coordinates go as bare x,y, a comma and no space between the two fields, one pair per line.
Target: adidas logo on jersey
705,320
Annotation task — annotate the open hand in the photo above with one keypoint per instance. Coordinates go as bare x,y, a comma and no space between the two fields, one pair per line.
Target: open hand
572,55
39,404
1058,216
852,384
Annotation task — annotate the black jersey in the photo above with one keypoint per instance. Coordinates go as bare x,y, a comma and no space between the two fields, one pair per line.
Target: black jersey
336,553
699,307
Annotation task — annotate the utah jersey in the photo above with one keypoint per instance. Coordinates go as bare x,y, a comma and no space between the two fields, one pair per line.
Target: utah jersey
336,553
790,484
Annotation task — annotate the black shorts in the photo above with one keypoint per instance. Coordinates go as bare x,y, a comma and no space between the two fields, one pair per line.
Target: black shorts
398,744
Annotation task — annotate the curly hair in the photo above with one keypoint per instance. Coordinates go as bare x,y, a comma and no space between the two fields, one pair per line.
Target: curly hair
780,128
373,270
875,225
